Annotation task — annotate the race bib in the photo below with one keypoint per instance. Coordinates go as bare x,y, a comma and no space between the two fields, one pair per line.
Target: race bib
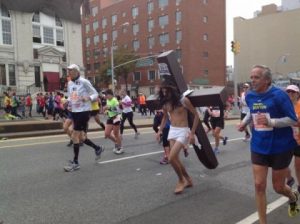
261,127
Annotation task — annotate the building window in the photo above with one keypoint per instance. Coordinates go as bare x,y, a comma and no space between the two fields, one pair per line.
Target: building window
113,19
5,26
36,34
87,53
48,35
205,19
164,39
87,28
135,12
205,54
150,25
136,45
59,37
36,17
114,34
163,20
104,37
96,40
205,72
47,30
137,76
95,25
96,66
151,75
94,11
88,67
178,15
88,42
135,28
178,54
151,42
11,75
205,37
150,7
104,23
97,52
178,2
105,51
163,3
58,22
178,35
2,75
152,90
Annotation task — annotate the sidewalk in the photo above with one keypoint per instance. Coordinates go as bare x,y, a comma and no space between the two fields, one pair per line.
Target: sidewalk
38,126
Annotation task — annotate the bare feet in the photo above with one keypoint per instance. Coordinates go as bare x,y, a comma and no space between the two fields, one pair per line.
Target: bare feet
179,187
188,182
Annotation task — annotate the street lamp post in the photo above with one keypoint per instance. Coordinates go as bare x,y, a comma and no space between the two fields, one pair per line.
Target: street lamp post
112,66
112,60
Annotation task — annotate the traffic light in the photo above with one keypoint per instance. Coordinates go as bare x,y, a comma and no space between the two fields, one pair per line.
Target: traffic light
235,47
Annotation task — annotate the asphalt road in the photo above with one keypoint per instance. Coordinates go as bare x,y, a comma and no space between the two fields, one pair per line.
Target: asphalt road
132,188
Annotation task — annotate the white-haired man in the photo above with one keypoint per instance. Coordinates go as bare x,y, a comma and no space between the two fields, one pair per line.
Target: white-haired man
81,94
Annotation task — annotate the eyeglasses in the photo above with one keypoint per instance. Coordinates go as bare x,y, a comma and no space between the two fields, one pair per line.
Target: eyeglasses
290,91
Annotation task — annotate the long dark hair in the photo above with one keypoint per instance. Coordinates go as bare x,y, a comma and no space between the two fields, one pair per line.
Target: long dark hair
172,95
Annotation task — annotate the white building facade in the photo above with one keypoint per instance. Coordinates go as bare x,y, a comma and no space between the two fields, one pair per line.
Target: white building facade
35,49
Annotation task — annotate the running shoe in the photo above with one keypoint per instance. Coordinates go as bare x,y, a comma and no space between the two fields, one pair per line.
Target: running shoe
225,140
119,151
98,152
136,135
72,166
247,138
216,151
70,143
294,209
290,182
164,161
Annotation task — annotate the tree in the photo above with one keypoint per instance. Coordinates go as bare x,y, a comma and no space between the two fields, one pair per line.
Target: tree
121,56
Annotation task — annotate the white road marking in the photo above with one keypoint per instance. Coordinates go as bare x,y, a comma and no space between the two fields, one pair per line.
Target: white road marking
271,207
129,157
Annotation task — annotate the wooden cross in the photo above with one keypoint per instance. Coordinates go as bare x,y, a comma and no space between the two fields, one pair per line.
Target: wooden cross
215,96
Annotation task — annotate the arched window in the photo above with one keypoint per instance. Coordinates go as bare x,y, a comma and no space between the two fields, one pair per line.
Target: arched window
47,30
5,26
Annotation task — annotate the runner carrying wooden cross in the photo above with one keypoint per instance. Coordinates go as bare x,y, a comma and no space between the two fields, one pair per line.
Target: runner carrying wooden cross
170,70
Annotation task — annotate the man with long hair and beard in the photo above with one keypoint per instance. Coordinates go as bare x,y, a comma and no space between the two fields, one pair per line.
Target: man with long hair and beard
176,107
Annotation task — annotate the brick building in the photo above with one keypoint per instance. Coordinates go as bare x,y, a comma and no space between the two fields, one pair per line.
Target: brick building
195,29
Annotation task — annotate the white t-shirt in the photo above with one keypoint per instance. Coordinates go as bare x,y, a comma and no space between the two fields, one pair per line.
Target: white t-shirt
126,104
244,107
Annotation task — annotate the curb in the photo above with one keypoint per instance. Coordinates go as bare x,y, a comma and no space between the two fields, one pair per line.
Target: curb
53,132
60,131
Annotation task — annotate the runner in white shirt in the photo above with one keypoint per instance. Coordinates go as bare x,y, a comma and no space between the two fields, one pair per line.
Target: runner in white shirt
127,113
245,109
81,94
